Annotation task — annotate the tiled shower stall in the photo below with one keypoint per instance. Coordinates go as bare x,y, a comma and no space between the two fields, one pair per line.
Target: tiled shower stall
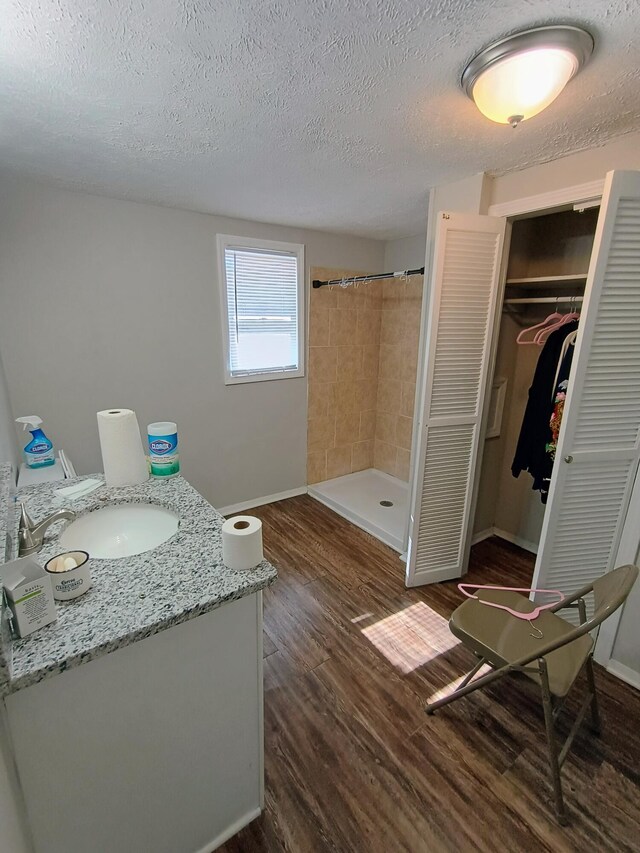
363,354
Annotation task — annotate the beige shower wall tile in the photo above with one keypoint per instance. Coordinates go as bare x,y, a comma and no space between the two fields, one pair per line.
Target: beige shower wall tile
347,428
389,396
323,364
338,461
356,297
321,433
390,365
347,396
403,431
322,298
371,295
316,466
409,361
386,427
407,401
392,326
413,290
316,400
409,372
393,293
342,327
321,399
384,457
350,363
370,356
319,328
367,424
412,317
361,455
403,460
367,331
366,393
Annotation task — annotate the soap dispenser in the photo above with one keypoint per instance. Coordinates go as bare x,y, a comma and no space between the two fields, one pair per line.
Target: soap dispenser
38,452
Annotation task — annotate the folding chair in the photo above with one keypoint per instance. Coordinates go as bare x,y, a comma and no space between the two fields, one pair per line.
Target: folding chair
508,644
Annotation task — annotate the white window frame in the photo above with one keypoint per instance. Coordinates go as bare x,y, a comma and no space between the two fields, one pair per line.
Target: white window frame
227,241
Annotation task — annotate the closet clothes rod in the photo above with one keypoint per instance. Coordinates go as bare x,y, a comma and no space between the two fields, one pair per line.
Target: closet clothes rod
539,300
358,278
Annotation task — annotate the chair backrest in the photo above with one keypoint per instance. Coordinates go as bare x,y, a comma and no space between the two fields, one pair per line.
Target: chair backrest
610,592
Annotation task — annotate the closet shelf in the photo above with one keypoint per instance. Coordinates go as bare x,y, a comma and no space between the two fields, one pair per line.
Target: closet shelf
547,279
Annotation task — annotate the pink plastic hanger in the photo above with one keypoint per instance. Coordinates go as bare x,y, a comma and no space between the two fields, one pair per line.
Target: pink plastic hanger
552,318
543,334
529,617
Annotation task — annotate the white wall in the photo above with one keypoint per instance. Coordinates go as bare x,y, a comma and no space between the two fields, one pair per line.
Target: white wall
407,253
111,303
584,166
8,444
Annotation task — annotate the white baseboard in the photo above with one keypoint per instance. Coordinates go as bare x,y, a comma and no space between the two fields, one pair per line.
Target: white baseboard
516,540
228,833
625,673
232,509
481,535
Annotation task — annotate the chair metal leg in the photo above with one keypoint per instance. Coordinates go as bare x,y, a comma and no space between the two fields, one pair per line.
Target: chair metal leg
595,711
465,687
551,740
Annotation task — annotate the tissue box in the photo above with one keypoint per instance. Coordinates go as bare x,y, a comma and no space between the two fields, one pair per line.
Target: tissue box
29,595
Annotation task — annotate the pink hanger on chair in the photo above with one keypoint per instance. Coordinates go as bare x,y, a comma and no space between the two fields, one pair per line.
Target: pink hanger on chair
529,617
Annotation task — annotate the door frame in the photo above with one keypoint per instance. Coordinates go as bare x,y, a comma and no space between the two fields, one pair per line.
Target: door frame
547,201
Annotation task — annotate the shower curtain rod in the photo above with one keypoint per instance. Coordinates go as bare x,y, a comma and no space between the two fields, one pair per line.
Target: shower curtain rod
358,278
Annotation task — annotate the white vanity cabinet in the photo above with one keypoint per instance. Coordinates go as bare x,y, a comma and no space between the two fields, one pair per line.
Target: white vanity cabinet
156,747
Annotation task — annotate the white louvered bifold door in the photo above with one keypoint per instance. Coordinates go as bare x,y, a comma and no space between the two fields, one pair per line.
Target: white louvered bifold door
598,447
462,304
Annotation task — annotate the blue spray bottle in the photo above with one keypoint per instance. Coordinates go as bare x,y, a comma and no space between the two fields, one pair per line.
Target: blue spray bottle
39,451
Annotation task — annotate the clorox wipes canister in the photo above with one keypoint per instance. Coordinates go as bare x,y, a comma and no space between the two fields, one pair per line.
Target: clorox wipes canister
163,449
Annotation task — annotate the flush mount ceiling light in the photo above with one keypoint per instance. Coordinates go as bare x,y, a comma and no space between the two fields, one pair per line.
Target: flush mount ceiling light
519,76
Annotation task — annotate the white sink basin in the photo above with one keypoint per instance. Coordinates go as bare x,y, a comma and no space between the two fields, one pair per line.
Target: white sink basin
120,531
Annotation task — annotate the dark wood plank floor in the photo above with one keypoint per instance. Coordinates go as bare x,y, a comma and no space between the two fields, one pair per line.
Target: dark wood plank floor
352,761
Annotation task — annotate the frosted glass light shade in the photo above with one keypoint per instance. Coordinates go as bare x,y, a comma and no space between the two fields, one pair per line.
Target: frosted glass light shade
517,77
523,84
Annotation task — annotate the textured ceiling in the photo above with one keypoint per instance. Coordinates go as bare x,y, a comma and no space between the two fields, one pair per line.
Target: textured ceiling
331,114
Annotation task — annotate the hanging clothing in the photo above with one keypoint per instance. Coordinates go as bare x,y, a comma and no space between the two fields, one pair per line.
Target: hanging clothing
535,434
560,395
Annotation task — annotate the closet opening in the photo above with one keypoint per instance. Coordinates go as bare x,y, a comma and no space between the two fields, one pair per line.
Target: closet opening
548,261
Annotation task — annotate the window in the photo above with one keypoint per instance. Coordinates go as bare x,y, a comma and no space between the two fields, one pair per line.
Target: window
262,308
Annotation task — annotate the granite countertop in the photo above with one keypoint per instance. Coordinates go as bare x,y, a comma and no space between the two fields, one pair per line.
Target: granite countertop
133,597
7,484
7,481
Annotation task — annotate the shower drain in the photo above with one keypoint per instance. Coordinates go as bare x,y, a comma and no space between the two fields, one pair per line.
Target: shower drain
386,503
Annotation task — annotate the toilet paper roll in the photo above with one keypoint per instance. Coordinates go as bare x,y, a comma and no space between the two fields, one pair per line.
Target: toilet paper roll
123,458
242,542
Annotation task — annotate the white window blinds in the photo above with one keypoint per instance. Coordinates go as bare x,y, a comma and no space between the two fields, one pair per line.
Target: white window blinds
263,313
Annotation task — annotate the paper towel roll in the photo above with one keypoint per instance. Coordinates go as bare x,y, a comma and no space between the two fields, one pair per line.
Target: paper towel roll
122,455
242,542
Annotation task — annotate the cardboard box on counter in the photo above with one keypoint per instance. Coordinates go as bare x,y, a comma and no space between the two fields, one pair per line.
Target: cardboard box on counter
29,595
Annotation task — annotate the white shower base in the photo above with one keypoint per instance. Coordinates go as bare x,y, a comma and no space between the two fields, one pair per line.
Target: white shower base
357,497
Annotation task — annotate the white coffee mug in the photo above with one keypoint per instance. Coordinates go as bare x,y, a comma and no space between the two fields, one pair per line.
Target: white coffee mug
69,583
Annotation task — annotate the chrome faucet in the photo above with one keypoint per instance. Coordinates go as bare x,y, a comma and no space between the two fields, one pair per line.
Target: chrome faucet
30,535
